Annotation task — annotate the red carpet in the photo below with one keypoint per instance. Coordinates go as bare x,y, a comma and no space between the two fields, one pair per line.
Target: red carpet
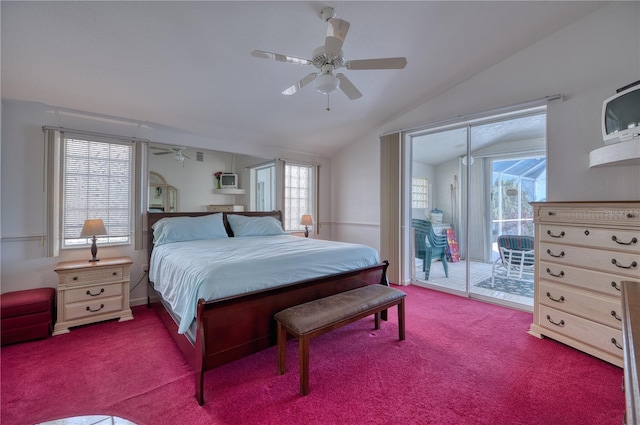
463,362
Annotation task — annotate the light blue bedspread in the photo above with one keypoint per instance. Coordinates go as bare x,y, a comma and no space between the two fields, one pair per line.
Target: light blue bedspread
184,272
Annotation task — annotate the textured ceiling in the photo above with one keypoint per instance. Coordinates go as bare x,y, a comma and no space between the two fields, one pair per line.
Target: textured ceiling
187,65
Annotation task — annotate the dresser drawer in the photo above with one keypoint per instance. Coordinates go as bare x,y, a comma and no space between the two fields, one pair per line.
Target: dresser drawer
601,309
615,239
111,274
621,263
602,337
93,292
602,282
92,308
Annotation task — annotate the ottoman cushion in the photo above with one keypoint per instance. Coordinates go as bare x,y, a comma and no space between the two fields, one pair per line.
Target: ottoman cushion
29,301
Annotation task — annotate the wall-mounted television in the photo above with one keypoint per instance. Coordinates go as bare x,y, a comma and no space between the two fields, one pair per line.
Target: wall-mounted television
228,181
621,115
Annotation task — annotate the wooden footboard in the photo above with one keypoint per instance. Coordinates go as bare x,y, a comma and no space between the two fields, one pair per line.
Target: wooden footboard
235,327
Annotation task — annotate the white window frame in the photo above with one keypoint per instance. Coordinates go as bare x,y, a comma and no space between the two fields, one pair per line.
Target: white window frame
420,193
294,189
121,232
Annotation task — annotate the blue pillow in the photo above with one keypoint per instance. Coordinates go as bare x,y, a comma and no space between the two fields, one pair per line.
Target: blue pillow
254,226
179,229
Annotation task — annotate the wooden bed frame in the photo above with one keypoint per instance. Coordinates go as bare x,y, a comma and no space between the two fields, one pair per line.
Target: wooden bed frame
234,327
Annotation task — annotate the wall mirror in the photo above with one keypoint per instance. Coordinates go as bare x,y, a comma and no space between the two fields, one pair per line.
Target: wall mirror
162,196
191,172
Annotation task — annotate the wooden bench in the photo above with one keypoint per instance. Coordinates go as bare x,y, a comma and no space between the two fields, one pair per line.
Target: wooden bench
314,318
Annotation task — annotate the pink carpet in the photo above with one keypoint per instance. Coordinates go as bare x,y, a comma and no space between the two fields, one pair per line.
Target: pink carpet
463,362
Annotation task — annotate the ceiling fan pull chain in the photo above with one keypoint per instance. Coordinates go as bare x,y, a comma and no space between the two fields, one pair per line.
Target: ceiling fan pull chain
328,108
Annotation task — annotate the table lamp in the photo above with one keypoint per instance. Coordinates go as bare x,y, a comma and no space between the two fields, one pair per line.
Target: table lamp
306,221
90,229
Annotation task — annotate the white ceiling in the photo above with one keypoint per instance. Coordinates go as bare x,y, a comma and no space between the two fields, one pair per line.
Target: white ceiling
187,65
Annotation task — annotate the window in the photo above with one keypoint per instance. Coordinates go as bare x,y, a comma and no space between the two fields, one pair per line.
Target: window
419,193
96,183
263,187
299,183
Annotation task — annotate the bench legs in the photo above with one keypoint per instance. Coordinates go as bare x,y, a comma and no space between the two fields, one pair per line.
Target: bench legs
303,343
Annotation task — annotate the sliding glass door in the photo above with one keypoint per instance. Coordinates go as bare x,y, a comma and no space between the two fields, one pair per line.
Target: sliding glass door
474,182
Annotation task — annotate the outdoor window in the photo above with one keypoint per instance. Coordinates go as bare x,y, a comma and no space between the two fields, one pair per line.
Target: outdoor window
299,194
420,193
96,183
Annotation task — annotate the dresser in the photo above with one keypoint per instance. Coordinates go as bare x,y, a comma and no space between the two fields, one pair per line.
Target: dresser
90,292
583,251
225,208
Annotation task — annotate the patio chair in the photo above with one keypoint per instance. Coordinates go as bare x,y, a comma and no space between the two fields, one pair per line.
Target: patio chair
516,259
428,246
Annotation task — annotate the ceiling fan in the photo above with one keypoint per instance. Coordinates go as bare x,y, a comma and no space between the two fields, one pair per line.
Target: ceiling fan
177,152
330,57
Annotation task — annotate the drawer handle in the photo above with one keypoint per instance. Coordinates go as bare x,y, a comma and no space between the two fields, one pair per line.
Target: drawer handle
614,314
98,309
115,273
551,213
560,323
615,285
561,235
75,278
630,215
633,264
614,342
631,242
555,255
95,295
558,300
561,274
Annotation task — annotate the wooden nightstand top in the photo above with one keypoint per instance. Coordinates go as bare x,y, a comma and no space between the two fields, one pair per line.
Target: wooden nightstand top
86,264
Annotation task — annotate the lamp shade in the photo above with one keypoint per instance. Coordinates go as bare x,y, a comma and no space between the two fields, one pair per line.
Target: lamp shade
93,227
306,220
327,83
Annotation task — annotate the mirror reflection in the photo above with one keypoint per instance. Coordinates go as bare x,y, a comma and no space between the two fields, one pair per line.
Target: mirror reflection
191,173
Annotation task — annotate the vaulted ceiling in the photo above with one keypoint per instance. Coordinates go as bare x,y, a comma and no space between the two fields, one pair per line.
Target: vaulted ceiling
188,65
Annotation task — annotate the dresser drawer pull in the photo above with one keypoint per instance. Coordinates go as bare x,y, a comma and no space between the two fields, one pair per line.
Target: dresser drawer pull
558,300
630,215
115,273
551,213
75,278
614,342
633,264
560,323
615,285
98,309
555,255
633,241
561,235
561,274
95,295
614,314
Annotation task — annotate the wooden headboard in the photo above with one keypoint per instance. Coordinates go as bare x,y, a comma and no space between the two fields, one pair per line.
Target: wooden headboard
152,217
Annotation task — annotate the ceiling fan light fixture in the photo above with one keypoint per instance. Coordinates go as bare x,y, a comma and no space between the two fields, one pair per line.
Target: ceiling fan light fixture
327,83
179,157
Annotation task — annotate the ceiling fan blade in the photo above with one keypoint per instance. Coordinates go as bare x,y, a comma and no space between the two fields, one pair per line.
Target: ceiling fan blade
300,84
280,58
162,153
382,63
336,33
348,88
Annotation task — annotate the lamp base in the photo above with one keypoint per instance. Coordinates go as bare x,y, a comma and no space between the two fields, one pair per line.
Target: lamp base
93,260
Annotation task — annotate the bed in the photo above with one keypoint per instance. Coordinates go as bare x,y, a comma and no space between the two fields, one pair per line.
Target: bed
228,324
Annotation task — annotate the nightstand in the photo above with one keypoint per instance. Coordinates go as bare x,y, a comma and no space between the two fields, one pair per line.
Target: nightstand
90,292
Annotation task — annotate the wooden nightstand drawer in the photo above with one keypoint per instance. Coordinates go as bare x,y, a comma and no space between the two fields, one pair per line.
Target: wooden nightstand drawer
93,276
94,292
92,308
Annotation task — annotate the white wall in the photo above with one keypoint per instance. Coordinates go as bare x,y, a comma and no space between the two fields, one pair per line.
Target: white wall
24,264
587,61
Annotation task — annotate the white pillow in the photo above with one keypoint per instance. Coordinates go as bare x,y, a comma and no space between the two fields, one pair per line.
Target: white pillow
254,226
179,229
